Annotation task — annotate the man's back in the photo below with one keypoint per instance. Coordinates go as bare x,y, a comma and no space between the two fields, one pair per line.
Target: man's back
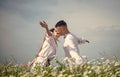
71,46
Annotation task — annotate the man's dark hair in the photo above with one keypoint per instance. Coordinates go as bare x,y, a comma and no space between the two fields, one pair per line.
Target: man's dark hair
61,23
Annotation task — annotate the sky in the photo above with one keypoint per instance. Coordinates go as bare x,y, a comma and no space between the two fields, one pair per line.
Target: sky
96,20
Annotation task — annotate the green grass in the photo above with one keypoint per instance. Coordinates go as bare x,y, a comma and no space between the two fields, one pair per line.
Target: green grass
97,68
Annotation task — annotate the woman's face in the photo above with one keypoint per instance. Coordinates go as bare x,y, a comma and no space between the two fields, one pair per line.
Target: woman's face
56,34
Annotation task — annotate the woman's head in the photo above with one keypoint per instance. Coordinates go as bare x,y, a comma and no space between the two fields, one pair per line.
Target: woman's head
56,35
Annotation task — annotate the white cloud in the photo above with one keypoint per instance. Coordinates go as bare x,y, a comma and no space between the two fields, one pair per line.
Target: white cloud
84,15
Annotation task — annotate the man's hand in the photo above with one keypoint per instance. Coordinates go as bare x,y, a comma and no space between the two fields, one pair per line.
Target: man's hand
43,24
87,41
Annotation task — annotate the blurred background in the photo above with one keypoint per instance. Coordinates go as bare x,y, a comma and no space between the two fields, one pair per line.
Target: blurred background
96,20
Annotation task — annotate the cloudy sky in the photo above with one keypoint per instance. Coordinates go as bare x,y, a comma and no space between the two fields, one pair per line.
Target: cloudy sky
96,20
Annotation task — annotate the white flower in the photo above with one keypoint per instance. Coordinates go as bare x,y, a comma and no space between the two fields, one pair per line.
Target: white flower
71,76
113,76
116,64
102,58
88,62
65,59
45,72
107,61
89,72
85,74
88,67
27,74
96,69
55,68
60,75
11,76
16,65
62,71
38,76
50,66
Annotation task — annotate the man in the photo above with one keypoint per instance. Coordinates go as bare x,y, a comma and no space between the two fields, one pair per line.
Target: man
70,44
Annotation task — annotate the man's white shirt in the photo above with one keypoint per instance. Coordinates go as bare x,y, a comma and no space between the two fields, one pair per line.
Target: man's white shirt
71,47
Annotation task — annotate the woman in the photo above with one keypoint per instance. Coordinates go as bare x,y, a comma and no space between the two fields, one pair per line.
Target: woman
48,49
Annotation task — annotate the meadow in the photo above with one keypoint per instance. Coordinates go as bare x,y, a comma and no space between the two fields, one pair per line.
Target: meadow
92,68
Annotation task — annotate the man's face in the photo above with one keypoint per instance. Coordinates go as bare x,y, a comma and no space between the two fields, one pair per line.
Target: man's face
60,30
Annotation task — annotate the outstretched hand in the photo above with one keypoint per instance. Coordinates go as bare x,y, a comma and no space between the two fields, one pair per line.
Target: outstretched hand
87,41
43,24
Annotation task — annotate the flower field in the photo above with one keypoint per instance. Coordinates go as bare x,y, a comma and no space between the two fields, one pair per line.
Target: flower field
97,68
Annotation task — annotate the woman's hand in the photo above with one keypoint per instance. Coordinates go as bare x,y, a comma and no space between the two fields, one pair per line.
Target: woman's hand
43,24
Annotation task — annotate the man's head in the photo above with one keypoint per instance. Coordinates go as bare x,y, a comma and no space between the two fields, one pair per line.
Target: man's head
61,27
